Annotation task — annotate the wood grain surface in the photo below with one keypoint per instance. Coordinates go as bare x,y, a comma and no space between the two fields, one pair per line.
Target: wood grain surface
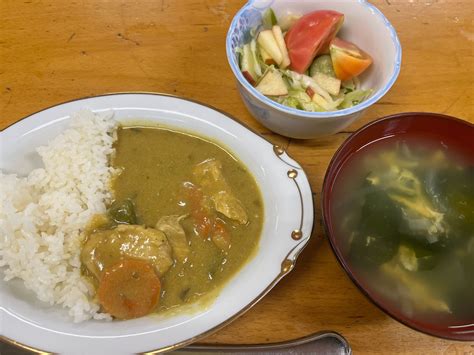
58,50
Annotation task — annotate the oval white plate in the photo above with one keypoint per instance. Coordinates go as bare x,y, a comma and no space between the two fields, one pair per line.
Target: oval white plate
287,228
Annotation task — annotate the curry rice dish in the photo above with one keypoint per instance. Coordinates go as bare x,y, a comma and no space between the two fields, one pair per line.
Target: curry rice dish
138,220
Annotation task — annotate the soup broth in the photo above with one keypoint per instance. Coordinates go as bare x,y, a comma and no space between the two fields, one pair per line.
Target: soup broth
404,211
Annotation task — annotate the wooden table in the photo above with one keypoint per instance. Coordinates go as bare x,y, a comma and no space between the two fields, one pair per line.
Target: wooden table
54,51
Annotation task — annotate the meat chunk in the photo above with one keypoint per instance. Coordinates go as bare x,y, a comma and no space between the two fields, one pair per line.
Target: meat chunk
229,206
176,236
211,178
107,247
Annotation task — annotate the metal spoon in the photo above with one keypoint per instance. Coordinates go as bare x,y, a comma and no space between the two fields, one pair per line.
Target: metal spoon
324,342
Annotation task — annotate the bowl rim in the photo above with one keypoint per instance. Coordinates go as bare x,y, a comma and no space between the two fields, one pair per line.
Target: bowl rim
326,114
286,267
325,214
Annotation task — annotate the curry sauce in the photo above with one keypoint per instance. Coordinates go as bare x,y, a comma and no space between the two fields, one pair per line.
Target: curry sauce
162,173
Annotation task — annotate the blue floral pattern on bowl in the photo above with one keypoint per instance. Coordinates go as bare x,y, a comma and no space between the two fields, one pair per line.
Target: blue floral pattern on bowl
250,18
255,109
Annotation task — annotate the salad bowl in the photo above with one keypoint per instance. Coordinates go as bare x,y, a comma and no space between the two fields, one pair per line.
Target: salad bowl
363,24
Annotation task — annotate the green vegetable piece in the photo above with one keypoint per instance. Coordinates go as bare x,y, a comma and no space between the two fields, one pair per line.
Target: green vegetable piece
378,240
122,212
453,191
322,64
291,102
269,19
299,99
238,57
427,262
461,298
354,98
253,51
299,95
380,214
348,86
248,64
373,249
312,107
427,256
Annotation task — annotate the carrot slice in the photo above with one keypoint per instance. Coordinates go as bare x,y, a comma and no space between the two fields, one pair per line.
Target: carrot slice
129,289
203,223
220,236
200,211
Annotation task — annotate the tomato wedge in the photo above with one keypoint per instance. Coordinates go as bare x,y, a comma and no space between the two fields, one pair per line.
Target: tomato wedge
348,60
310,35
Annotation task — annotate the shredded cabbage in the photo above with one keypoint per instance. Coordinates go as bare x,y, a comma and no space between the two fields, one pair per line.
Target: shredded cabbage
354,98
253,50
300,99
307,81
300,86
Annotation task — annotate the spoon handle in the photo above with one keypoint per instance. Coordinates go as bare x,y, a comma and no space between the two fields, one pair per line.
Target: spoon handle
324,342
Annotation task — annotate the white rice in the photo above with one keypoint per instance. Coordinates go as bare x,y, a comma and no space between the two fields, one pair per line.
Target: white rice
42,215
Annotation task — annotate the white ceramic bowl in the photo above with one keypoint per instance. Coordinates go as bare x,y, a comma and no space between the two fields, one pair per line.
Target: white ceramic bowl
287,206
364,25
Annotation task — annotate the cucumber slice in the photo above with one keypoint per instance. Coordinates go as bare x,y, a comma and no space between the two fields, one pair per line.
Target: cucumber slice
256,65
322,64
269,19
247,64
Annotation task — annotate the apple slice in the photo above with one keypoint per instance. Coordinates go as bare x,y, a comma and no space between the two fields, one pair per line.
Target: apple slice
247,65
267,59
272,84
270,45
320,101
310,35
328,83
326,105
282,46
348,60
